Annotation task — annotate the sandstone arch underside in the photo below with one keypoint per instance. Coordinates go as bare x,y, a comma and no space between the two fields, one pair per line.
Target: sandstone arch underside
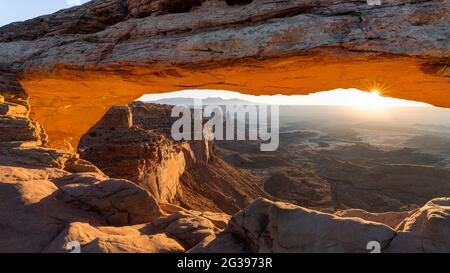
111,52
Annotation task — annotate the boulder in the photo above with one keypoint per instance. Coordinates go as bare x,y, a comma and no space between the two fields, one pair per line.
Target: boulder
111,240
121,202
426,230
267,226
190,229
178,232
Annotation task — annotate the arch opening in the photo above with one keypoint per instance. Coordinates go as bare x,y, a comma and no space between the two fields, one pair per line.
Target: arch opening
336,149
68,102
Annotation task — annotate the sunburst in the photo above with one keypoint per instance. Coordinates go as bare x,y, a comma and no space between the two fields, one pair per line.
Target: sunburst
376,87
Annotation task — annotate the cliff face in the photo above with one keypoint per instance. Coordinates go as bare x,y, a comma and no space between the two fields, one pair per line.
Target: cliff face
126,151
133,142
79,62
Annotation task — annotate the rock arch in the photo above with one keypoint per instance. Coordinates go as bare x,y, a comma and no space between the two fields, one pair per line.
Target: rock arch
75,67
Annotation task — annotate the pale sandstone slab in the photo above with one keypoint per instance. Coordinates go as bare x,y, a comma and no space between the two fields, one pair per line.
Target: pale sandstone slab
426,230
281,227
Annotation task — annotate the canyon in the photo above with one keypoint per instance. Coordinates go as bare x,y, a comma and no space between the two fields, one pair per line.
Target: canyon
335,158
80,161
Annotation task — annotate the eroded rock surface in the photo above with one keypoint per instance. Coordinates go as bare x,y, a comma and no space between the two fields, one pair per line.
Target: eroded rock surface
281,227
426,230
112,240
224,31
178,232
266,226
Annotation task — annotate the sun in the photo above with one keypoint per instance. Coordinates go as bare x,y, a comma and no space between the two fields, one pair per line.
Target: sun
375,92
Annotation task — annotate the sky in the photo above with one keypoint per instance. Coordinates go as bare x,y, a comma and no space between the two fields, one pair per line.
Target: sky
339,97
20,10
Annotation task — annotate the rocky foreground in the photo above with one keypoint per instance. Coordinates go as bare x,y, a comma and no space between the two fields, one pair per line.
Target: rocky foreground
49,198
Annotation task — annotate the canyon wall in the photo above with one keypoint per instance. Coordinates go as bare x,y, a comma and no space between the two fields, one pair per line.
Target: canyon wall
133,142
126,148
77,63
50,198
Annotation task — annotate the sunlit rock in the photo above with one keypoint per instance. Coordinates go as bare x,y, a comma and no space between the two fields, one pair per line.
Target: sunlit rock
426,230
281,227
